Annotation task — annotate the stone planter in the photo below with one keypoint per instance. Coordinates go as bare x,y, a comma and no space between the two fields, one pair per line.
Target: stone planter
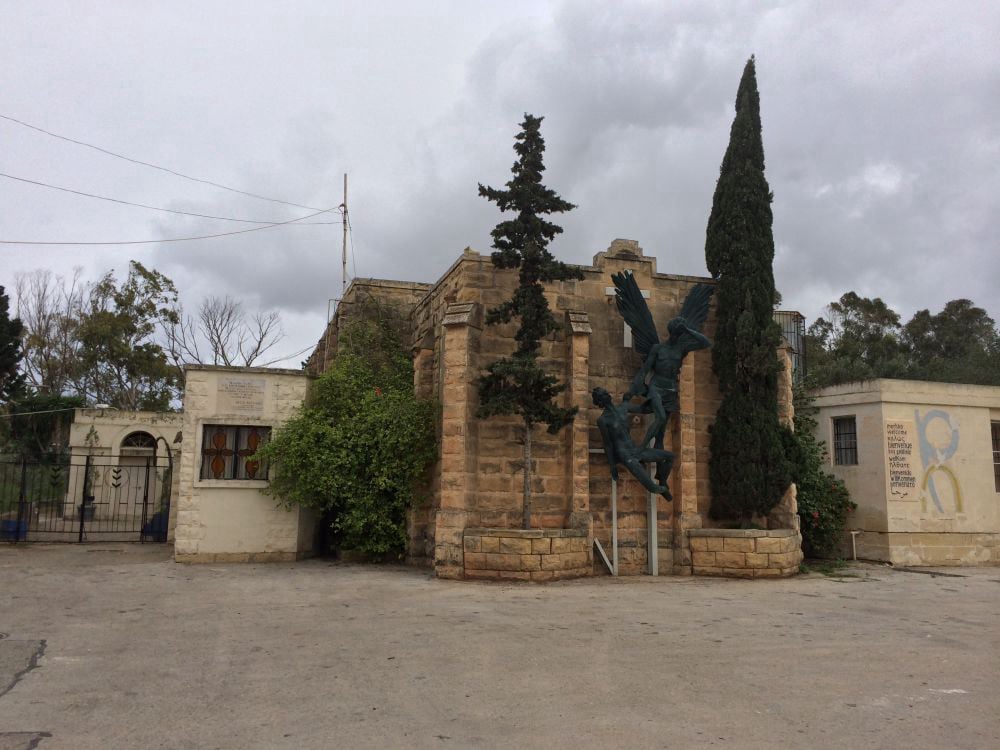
526,554
745,553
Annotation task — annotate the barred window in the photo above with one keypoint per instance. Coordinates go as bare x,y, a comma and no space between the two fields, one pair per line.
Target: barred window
845,441
995,431
227,450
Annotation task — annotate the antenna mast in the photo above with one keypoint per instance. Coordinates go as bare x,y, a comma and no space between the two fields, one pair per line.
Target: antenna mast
343,255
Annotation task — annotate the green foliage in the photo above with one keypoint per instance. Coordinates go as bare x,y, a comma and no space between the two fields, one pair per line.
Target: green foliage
360,447
748,470
11,380
823,500
517,385
41,431
862,339
121,363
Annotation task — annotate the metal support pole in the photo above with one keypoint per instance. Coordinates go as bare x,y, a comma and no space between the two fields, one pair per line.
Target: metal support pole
614,527
652,553
145,501
22,504
83,499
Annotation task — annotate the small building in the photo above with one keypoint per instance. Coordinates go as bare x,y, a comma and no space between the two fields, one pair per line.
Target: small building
119,470
222,512
922,462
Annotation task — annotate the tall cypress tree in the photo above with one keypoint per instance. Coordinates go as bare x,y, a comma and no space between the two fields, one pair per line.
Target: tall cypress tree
748,469
517,384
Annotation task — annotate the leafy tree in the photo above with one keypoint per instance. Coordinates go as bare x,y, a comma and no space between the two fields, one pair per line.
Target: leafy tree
518,384
823,500
863,338
960,344
11,379
40,429
359,448
121,361
748,469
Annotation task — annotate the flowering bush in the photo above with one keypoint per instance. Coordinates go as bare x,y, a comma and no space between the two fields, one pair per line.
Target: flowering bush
823,500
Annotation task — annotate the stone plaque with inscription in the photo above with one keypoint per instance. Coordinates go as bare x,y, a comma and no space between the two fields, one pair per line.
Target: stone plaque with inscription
241,395
900,444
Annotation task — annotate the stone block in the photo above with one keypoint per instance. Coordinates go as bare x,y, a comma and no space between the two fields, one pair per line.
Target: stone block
738,572
730,559
703,558
699,544
530,562
541,546
515,546
501,561
784,559
475,560
561,545
489,544
775,544
472,543
757,560
767,573
737,545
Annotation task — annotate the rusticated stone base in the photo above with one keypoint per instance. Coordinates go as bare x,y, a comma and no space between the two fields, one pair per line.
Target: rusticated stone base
527,555
745,553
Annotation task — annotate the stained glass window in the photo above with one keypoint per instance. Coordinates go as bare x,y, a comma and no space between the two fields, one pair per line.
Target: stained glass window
227,451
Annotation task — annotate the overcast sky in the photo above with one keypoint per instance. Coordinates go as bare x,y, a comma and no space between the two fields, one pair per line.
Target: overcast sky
881,134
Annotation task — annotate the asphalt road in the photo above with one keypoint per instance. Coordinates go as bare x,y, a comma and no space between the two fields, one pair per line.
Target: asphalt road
116,646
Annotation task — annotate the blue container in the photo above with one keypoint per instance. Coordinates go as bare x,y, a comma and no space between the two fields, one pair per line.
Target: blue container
12,529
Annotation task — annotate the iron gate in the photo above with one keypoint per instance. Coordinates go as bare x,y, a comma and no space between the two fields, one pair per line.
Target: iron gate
84,499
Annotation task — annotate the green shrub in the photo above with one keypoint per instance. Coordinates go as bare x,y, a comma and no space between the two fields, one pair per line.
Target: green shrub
823,500
360,448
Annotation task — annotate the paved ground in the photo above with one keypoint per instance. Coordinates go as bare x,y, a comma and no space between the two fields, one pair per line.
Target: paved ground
118,647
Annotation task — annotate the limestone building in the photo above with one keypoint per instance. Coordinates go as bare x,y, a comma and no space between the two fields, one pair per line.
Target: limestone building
470,527
922,462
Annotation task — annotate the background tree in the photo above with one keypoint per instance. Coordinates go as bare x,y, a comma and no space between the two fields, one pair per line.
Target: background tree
518,384
11,379
862,338
223,333
122,363
51,308
359,449
748,469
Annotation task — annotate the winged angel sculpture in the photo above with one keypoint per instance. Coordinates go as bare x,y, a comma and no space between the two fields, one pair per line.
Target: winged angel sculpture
661,360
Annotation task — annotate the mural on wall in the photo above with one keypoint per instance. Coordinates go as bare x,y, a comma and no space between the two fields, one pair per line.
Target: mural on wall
938,434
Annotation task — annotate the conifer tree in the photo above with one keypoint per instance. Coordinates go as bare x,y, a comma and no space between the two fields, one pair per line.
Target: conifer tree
518,384
749,470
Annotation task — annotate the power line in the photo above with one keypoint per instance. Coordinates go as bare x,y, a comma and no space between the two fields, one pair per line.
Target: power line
173,239
29,413
144,205
354,261
153,166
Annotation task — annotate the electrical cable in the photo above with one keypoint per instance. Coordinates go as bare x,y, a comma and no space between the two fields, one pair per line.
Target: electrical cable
154,166
29,413
172,239
143,205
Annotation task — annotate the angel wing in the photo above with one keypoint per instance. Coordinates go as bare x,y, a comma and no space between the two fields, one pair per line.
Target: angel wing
695,312
695,308
635,311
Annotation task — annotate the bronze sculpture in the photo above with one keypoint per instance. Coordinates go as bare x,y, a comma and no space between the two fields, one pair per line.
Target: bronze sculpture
620,448
661,359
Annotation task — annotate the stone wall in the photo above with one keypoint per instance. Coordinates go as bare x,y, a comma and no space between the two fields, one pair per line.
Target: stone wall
526,555
745,553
